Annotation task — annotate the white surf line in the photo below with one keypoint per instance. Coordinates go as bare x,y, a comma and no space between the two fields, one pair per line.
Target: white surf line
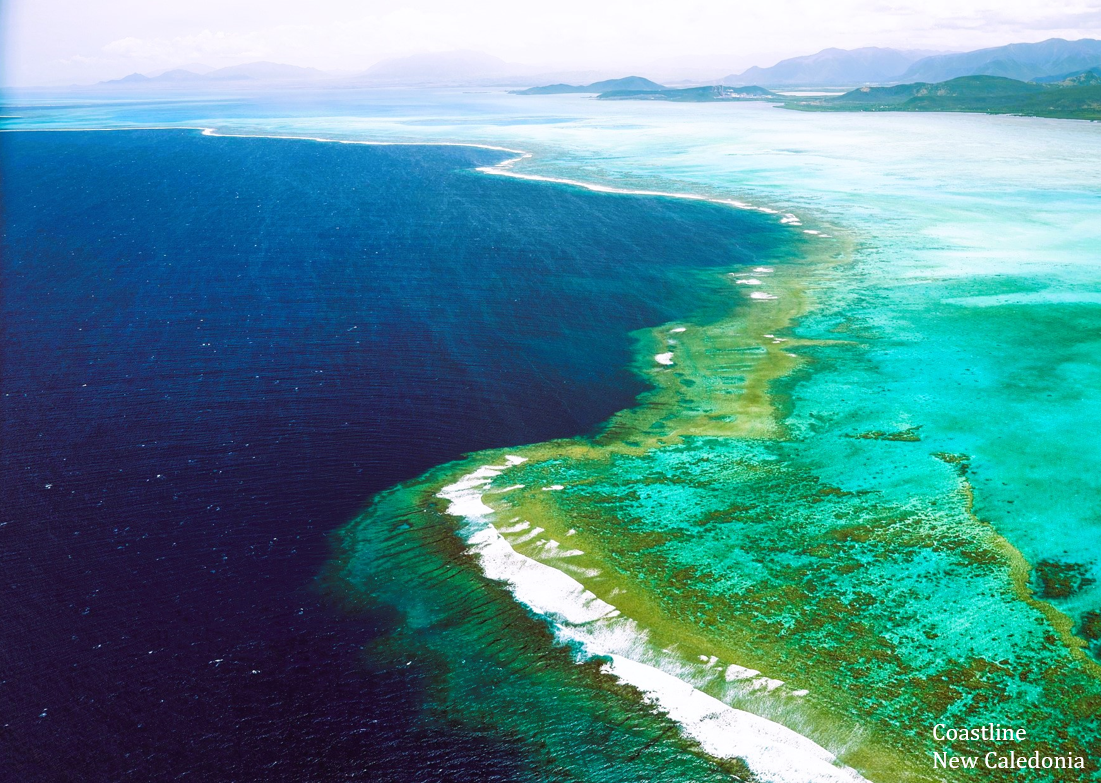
206,131
502,169
364,142
775,753
97,130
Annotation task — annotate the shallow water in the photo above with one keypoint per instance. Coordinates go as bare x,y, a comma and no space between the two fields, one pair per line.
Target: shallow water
941,397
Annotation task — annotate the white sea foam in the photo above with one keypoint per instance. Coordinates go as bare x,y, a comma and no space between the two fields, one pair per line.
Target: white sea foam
766,683
520,154
761,295
736,672
748,281
774,753
677,330
542,588
508,488
552,549
533,533
465,494
504,169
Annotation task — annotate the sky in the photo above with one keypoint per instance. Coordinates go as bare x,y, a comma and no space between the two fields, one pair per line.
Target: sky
83,41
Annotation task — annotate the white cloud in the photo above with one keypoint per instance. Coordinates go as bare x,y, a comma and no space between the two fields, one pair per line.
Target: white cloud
187,48
44,38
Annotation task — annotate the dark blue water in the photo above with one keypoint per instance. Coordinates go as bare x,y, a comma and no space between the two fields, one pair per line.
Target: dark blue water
214,351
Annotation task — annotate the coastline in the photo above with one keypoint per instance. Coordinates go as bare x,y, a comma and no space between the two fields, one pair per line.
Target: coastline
668,417
598,631
748,422
661,416
501,169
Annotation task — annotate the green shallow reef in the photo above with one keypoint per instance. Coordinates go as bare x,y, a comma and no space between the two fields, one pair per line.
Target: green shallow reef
482,664
774,538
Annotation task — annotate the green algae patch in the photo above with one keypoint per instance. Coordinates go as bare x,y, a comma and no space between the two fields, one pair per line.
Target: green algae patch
904,620
1061,580
908,435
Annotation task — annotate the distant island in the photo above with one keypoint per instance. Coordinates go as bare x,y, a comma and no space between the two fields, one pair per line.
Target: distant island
1067,96
1075,96
692,94
626,84
197,73
635,88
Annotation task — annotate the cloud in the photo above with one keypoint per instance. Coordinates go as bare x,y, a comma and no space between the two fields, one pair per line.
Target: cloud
358,42
205,45
79,59
48,38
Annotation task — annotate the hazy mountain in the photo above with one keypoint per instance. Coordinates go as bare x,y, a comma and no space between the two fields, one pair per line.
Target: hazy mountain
632,83
1022,61
133,78
265,71
920,95
248,72
459,67
164,77
1092,76
177,75
198,68
1088,76
832,67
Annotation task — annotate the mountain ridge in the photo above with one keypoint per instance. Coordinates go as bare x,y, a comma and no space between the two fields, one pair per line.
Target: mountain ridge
831,67
260,70
1021,61
981,94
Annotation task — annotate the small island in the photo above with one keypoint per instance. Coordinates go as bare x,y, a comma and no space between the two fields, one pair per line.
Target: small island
627,83
1069,96
636,88
693,94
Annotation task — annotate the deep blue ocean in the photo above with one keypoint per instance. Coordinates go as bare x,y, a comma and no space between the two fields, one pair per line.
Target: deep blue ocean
215,350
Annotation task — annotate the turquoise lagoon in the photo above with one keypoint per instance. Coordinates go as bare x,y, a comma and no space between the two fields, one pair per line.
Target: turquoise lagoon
863,496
